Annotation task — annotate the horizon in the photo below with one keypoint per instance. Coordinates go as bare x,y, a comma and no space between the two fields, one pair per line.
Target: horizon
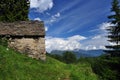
74,25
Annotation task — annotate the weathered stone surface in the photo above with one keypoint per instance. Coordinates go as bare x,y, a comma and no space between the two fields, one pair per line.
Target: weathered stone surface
22,28
34,48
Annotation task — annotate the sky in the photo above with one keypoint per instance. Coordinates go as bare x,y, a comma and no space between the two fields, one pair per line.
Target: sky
73,24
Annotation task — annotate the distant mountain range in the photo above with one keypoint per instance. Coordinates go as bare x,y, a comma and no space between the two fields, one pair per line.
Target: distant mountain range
82,53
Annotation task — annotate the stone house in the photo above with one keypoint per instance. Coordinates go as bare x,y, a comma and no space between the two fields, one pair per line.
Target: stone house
25,37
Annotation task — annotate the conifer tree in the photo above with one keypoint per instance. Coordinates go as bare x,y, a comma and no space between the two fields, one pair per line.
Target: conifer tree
14,10
114,31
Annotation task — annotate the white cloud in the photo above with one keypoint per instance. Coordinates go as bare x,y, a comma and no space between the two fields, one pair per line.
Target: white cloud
105,25
75,42
96,42
41,5
77,38
70,43
54,17
97,37
38,19
46,28
94,47
57,15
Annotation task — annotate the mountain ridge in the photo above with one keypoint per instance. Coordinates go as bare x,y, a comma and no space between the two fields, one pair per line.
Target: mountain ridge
81,52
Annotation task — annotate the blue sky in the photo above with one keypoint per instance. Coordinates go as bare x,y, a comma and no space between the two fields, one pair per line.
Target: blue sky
72,24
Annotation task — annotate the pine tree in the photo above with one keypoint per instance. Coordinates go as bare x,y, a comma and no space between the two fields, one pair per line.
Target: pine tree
13,10
114,31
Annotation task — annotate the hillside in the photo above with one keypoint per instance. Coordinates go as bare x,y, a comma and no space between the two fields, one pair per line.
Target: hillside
14,66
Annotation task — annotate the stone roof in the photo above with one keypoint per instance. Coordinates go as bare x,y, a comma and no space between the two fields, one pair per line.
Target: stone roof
22,28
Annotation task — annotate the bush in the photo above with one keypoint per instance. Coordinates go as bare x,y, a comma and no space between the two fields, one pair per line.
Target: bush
4,42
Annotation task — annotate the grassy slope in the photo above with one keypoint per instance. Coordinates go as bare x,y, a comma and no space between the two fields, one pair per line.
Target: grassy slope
14,66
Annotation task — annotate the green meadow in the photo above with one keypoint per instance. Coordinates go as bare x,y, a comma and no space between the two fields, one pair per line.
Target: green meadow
17,66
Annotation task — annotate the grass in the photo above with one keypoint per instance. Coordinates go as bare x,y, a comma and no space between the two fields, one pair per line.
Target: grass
16,66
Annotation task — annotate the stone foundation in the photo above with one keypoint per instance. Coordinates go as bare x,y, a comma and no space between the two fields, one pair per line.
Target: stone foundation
34,48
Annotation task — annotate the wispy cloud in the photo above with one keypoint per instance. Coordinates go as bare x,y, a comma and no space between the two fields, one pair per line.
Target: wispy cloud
78,18
53,18
69,6
57,15
101,28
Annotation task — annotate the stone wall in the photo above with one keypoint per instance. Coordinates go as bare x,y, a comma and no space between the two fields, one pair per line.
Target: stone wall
34,48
